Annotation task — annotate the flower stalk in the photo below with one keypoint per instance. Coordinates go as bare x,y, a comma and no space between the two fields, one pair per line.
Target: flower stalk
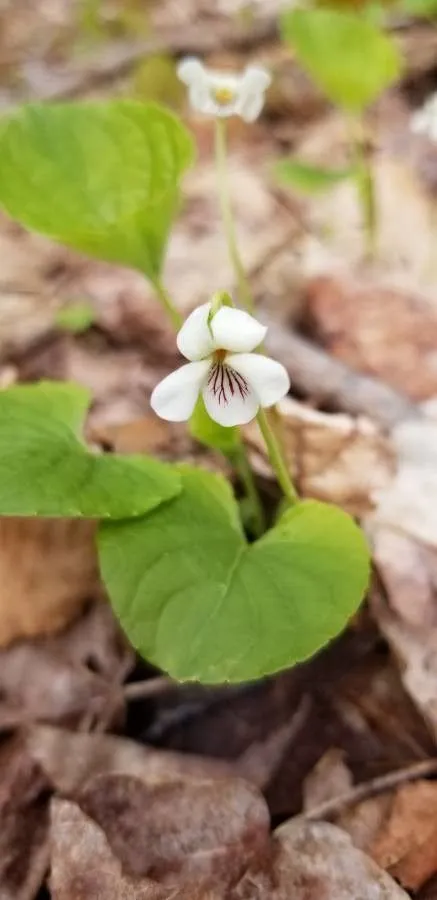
255,507
365,185
244,291
168,305
272,442
277,459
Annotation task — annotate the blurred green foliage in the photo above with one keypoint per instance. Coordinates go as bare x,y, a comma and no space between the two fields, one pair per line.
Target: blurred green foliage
155,79
76,317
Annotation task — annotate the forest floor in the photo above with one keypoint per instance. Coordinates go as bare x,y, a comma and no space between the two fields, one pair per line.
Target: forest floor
116,782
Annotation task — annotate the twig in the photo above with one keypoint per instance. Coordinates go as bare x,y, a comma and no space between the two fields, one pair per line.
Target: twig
317,374
139,690
372,788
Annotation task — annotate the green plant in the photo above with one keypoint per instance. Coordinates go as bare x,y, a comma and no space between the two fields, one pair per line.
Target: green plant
192,593
352,60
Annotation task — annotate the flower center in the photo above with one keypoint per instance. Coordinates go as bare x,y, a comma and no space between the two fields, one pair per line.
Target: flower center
225,383
223,95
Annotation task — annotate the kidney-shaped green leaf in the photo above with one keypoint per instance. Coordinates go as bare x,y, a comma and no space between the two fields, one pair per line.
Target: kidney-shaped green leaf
100,177
46,470
348,57
199,602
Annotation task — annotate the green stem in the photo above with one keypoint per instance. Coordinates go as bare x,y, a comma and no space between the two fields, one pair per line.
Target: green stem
366,185
168,305
245,293
245,472
277,459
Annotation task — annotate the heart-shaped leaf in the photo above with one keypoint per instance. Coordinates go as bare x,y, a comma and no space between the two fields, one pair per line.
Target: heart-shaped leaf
100,177
347,56
46,470
200,603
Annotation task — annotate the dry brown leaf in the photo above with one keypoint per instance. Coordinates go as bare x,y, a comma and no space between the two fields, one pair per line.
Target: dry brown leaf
303,861
403,531
429,891
180,829
25,317
48,571
363,822
83,866
72,673
416,652
24,823
148,434
165,815
335,457
70,760
317,860
29,272
329,779
409,502
409,573
46,22
124,305
407,843
407,614
377,330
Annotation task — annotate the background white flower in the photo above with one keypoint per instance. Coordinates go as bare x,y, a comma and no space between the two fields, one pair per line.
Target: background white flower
233,381
225,94
424,121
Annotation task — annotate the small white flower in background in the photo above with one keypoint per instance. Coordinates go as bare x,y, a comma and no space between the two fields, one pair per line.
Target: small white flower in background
224,94
424,121
233,381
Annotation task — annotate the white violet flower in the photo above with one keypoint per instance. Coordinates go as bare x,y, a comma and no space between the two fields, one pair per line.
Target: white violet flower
224,93
233,381
424,121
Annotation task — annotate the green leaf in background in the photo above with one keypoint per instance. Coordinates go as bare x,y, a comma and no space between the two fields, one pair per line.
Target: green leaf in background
76,317
155,79
425,8
210,433
306,178
199,602
46,470
91,25
100,177
347,56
